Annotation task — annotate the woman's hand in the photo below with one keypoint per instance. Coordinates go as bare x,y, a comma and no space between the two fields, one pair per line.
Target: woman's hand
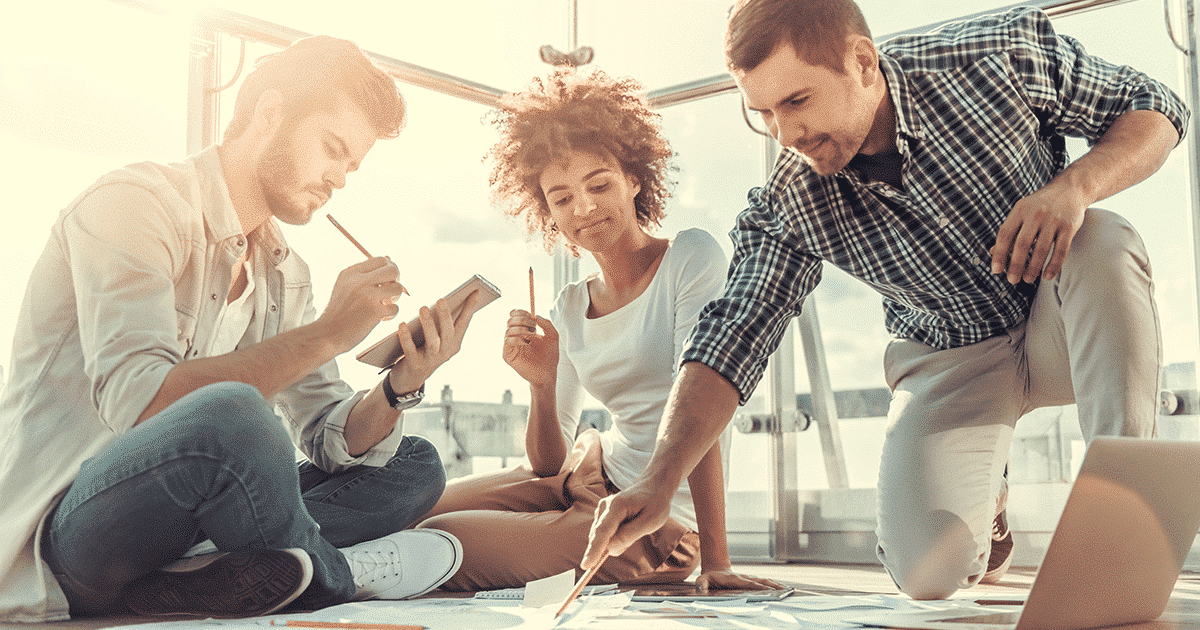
726,579
534,356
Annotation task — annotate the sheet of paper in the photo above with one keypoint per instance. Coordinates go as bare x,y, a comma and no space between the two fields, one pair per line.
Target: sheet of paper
594,612
551,590
585,610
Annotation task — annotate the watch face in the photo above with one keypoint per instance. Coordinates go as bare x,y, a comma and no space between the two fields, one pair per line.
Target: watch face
411,399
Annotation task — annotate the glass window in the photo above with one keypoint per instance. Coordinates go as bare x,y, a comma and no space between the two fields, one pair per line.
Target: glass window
107,86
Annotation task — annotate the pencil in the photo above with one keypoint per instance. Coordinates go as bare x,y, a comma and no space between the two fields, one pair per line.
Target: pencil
587,577
364,249
294,623
531,311
347,234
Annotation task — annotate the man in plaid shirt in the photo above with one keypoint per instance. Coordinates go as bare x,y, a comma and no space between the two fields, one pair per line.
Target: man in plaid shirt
934,169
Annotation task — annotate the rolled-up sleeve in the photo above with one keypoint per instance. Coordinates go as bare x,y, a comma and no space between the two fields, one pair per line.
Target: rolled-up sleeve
1081,94
317,407
768,280
321,430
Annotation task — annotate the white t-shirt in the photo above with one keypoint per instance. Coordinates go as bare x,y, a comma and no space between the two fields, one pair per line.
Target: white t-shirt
234,319
628,359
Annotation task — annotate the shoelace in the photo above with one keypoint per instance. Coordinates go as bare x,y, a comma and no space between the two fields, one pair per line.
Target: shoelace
371,565
997,532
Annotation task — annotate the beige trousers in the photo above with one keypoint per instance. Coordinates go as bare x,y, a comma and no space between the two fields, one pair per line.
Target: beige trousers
1092,337
516,527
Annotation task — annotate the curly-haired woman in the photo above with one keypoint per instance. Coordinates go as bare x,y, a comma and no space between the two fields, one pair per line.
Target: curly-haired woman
582,160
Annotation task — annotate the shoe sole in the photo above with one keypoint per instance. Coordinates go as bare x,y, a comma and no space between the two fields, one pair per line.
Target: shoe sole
235,584
993,576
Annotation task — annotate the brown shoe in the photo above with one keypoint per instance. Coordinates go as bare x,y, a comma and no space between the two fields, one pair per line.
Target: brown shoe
1002,546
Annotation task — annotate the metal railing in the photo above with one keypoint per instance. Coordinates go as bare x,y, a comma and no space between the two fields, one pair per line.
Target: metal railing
723,83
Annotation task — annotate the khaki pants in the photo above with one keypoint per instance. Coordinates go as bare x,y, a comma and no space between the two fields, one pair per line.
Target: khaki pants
1092,338
516,527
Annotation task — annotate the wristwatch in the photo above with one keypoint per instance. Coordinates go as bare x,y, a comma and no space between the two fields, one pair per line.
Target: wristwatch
405,401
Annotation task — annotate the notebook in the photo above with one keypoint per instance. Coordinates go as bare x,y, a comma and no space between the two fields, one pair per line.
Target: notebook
387,351
1121,541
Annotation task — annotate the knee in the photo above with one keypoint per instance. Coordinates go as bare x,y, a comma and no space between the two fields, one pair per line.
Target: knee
448,522
420,451
417,473
424,462
1106,243
235,419
935,561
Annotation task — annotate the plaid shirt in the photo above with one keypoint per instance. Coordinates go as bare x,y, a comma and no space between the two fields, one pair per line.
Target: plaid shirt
982,107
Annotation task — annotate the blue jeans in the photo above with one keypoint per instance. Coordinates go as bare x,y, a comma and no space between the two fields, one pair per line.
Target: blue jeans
218,464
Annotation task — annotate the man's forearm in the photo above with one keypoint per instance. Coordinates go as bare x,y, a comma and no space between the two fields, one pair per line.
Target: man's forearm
1131,150
271,366
699,407
707,483
370,421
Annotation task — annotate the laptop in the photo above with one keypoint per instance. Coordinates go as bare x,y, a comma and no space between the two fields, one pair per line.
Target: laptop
1120,544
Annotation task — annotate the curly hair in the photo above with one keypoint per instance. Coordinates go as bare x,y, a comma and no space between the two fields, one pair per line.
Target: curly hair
567,111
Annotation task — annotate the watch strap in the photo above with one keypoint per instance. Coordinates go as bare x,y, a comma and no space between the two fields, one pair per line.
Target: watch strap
398,402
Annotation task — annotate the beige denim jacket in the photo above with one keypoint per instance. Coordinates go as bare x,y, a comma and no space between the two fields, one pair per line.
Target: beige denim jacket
130,283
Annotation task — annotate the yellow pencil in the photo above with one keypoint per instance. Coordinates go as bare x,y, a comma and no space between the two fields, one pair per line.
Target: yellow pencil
295,623
531,311
364,249
347,235
587,577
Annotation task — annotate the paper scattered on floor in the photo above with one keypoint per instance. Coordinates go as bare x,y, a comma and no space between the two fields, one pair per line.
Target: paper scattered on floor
519,592
600,611
551,590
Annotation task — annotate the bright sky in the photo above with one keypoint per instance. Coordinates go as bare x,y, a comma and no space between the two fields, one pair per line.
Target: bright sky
89,85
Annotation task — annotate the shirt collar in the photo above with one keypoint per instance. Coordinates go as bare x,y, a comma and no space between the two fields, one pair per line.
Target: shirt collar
219,215
907,124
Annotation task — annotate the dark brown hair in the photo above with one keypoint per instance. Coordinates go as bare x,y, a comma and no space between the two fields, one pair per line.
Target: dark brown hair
816,29
312,74
570,111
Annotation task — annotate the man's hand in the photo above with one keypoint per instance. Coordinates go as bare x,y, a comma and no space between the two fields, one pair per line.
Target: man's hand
364,295
624,517
1132,149
443,339
1039,226
698,409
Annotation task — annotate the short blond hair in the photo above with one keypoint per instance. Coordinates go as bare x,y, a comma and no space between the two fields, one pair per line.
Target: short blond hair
311,75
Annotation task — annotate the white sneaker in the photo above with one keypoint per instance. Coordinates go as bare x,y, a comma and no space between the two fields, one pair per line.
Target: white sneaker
405,564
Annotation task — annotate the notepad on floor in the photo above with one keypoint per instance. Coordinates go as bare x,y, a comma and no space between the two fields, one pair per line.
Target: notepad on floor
547,590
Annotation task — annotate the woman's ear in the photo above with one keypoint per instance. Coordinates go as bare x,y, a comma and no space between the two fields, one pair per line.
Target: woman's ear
634,183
